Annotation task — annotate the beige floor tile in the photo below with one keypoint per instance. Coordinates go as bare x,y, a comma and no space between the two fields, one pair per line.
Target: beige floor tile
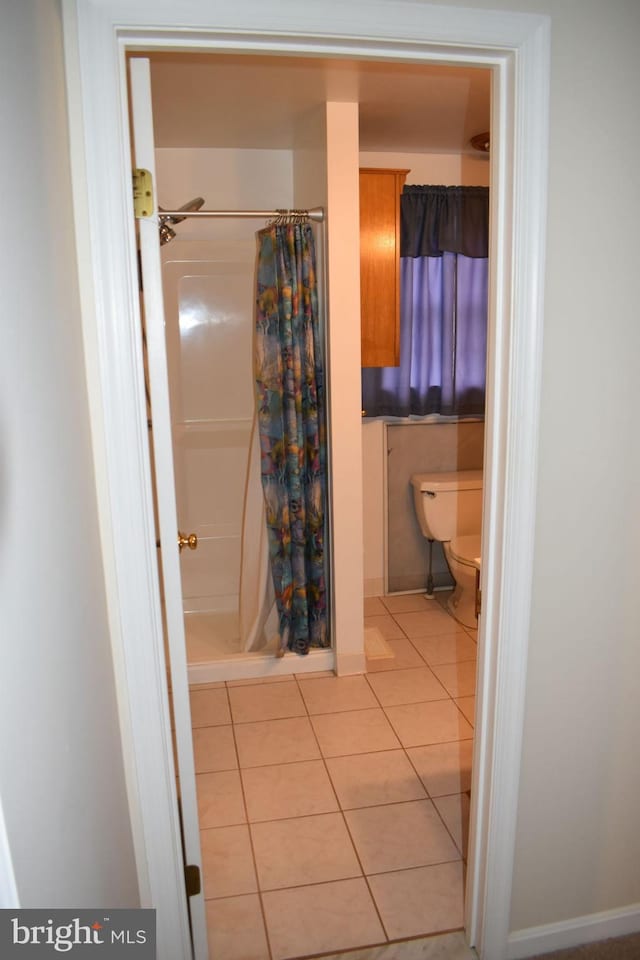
468,707
214,685
407,686
288,790
235,929
434,622
420,901
374,607
290,853
448,649
444,768
227,862
386,625
454,810
434,722
459,679
354,731
334,694
370,779
276,741
220,802
214,749
209,707
322,917
400,835
268,701
407,603
404,655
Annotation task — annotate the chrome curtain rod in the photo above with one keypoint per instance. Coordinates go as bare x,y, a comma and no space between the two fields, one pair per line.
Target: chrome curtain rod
315,213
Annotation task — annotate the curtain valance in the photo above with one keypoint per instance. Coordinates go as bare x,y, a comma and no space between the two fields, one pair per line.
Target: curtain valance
436,219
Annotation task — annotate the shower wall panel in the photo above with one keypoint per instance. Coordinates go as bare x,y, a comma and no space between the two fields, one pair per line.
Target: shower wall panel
208,303
209,290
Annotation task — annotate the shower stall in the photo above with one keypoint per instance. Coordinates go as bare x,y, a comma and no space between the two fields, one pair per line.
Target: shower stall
209,288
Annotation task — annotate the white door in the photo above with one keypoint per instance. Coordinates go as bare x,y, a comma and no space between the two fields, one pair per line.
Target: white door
142,121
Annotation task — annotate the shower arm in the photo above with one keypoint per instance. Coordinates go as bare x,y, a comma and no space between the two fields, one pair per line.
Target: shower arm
315,213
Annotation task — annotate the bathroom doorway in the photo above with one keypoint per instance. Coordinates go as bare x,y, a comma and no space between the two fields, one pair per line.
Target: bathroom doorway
207,272
535,119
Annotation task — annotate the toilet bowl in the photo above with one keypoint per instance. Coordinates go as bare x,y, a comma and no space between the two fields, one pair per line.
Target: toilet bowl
449,509
463,556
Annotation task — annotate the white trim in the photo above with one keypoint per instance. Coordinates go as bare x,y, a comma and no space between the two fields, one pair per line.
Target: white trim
516,45
518,200
9,899
141,114
574,932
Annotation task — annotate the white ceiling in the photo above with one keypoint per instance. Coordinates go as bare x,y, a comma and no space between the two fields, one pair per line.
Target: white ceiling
246,101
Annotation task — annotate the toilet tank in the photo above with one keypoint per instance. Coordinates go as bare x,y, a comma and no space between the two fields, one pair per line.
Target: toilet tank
448,505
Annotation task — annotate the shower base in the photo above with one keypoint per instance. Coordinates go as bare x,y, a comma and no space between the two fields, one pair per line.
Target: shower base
212,635
213,652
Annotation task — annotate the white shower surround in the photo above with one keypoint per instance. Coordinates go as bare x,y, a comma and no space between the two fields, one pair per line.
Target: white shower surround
517,46
209,294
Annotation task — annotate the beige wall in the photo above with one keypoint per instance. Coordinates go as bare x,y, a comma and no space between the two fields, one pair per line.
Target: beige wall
62,785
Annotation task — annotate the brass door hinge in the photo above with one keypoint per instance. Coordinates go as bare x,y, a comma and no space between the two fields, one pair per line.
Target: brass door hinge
192,879
142,193
478,595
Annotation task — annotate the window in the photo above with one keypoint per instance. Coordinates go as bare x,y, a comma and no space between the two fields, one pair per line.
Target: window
443,307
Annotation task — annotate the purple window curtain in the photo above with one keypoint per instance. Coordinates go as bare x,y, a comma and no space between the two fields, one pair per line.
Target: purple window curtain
443,308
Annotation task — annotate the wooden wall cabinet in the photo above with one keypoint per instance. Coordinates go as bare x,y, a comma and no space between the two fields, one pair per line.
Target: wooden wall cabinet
380,266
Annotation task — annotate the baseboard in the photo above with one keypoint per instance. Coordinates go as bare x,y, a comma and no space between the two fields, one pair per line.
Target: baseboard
374,587
574,932
350,663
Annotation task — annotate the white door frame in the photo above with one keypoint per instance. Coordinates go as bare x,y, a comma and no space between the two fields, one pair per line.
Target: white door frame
516,46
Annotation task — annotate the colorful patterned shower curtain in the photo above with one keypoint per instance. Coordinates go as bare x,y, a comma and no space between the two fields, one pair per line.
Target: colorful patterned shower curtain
290,399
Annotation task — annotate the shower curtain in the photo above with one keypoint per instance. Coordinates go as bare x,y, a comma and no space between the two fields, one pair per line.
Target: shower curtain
290,403
257,601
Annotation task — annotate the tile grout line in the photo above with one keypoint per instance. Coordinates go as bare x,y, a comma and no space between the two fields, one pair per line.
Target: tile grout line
346,825
297,679
405,750
250,834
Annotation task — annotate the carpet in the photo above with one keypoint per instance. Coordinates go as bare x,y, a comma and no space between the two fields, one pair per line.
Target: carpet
618,948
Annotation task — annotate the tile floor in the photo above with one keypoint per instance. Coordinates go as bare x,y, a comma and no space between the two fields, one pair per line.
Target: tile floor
334,810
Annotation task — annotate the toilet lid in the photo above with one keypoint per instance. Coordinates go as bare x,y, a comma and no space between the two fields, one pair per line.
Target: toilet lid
466,549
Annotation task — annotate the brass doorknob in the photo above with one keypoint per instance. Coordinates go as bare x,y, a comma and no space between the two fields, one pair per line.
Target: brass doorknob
187,540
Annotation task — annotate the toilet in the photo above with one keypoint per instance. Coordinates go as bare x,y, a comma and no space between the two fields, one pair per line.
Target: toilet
449,509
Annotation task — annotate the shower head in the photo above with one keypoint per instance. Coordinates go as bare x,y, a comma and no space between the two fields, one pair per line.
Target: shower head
166,233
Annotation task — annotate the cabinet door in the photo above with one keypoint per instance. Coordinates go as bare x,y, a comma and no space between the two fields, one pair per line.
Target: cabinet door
380,266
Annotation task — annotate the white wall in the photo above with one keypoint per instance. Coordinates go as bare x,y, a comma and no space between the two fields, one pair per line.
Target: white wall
343,264
62,785
449,169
